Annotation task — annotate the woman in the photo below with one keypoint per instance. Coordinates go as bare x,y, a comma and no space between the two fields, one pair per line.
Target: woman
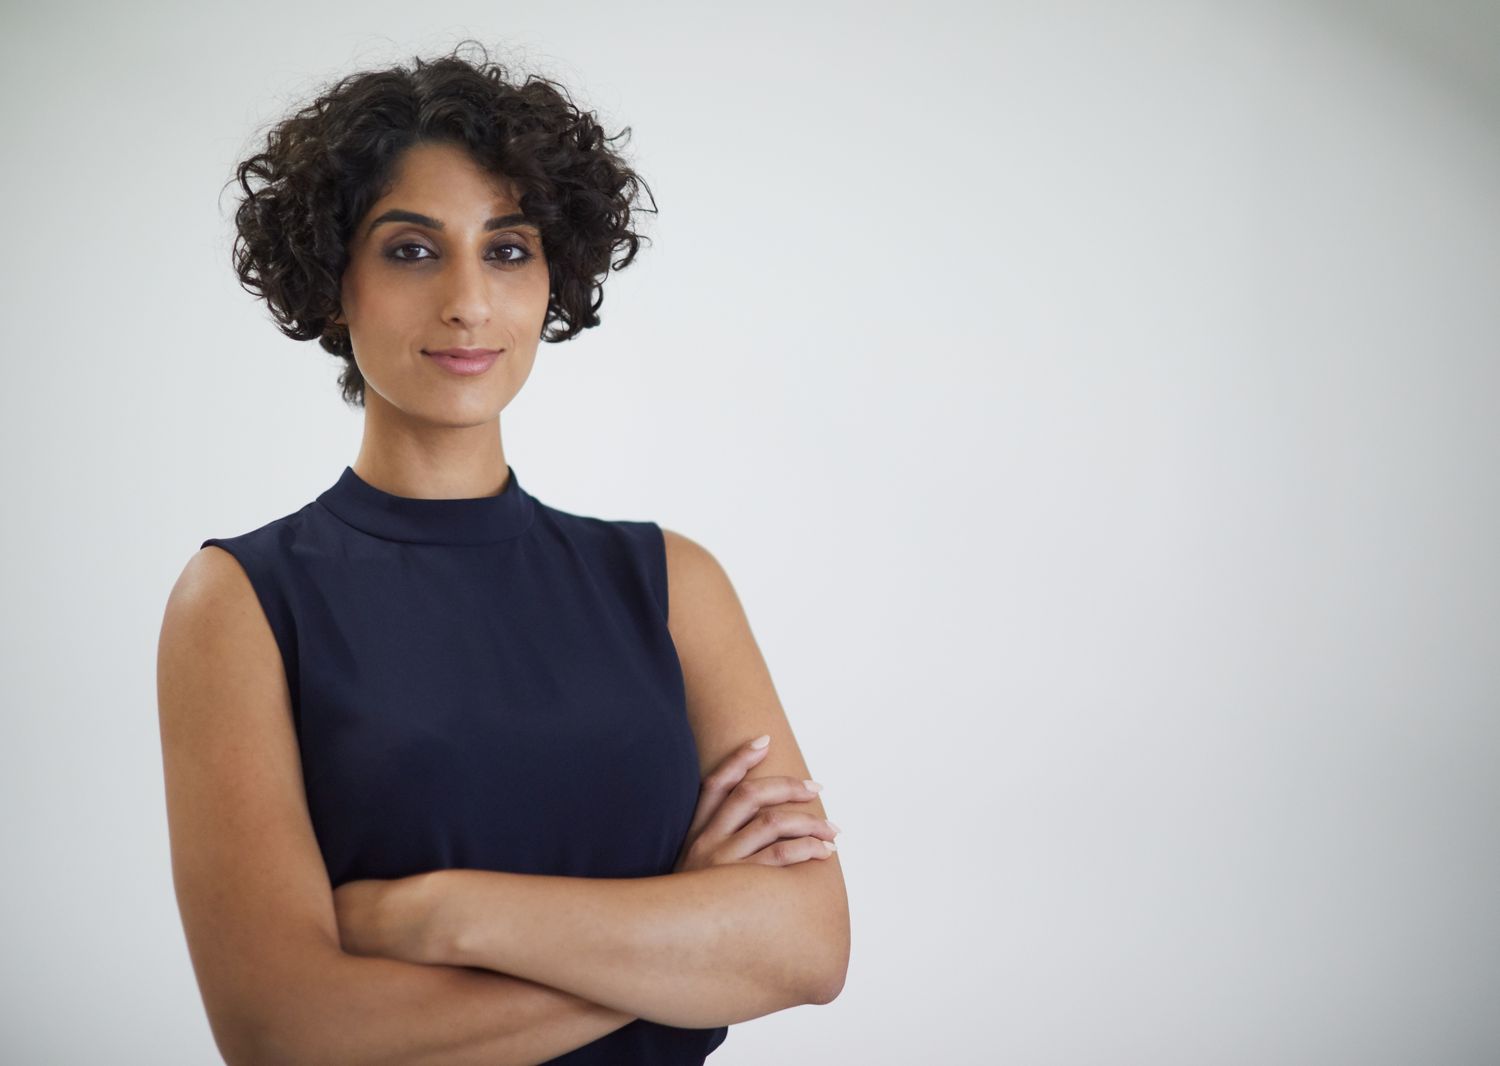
447,780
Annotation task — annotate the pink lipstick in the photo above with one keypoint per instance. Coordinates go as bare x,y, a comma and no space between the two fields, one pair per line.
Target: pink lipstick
466,361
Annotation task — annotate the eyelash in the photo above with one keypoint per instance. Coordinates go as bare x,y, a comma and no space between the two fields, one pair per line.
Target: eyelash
520,260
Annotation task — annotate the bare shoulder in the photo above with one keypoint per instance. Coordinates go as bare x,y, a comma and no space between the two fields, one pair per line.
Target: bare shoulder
212,617
212,589
693,573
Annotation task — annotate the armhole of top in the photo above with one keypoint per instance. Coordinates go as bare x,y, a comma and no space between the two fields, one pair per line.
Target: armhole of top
658,553
273,605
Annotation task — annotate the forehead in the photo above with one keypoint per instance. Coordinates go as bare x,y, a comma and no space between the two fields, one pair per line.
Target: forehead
439,178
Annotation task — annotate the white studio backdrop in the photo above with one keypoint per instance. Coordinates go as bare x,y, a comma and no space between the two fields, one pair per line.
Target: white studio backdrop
1096,406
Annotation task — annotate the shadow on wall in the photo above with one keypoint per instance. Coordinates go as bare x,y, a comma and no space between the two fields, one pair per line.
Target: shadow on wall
1453,42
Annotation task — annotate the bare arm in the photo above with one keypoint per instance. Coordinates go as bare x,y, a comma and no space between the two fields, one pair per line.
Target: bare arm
341,1008
254,895
730,696
696,949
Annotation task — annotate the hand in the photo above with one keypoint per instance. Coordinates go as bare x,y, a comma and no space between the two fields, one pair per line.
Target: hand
381,917
751,821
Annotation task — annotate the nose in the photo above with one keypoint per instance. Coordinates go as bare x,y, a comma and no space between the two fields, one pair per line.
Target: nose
466,294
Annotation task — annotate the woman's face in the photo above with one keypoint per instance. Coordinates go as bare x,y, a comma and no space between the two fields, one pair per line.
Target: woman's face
456,278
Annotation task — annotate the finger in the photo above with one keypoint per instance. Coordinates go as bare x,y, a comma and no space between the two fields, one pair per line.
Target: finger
766,825
734,765
773,824
754,794
723,779
789,852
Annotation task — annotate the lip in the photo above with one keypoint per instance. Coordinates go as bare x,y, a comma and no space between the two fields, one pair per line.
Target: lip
465,361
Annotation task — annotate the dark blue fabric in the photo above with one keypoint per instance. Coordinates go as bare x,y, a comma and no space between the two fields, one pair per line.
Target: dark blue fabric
483,683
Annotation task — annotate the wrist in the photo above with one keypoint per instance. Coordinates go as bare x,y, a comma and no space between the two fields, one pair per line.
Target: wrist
414,918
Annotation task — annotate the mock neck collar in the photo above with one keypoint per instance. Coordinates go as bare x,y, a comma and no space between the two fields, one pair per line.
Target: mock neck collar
464,520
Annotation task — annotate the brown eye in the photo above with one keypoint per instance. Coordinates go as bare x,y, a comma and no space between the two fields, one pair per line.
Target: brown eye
406,258
522,255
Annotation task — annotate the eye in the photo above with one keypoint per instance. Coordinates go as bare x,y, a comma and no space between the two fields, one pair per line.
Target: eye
406,258
521,254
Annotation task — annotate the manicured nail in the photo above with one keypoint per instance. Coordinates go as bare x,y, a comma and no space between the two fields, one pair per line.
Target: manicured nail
830,845
760,742
835,828
813,786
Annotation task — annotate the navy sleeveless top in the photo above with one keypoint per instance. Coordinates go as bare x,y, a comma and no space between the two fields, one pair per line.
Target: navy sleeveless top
484,683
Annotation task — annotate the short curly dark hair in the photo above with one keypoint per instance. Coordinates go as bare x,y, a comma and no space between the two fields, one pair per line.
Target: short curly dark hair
325,165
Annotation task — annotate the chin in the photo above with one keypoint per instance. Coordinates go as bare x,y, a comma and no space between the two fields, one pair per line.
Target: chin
470,411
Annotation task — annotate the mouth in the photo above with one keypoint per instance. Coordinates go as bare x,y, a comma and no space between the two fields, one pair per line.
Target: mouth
465,361
463,353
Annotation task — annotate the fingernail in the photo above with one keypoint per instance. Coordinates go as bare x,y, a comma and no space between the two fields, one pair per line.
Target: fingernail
813,786
831,845
760,742
835,828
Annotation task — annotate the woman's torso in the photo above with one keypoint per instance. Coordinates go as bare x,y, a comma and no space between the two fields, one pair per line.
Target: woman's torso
483,683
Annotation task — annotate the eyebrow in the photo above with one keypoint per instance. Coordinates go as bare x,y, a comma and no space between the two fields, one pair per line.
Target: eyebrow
397,214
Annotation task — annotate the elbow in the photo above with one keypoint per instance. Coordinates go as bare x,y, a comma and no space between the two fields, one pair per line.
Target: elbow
239,1030
268,1048
829,981
243,1043
258,1045
827,990
294,1039
279,1035
279,1008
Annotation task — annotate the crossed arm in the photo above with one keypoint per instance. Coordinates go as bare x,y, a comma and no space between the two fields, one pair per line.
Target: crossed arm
703,947
402,1004
695,949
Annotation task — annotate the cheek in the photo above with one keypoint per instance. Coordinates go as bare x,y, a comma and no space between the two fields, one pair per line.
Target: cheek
539,296
381,313
354,299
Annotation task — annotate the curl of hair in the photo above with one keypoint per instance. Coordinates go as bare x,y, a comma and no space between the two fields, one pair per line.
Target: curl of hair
323,166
